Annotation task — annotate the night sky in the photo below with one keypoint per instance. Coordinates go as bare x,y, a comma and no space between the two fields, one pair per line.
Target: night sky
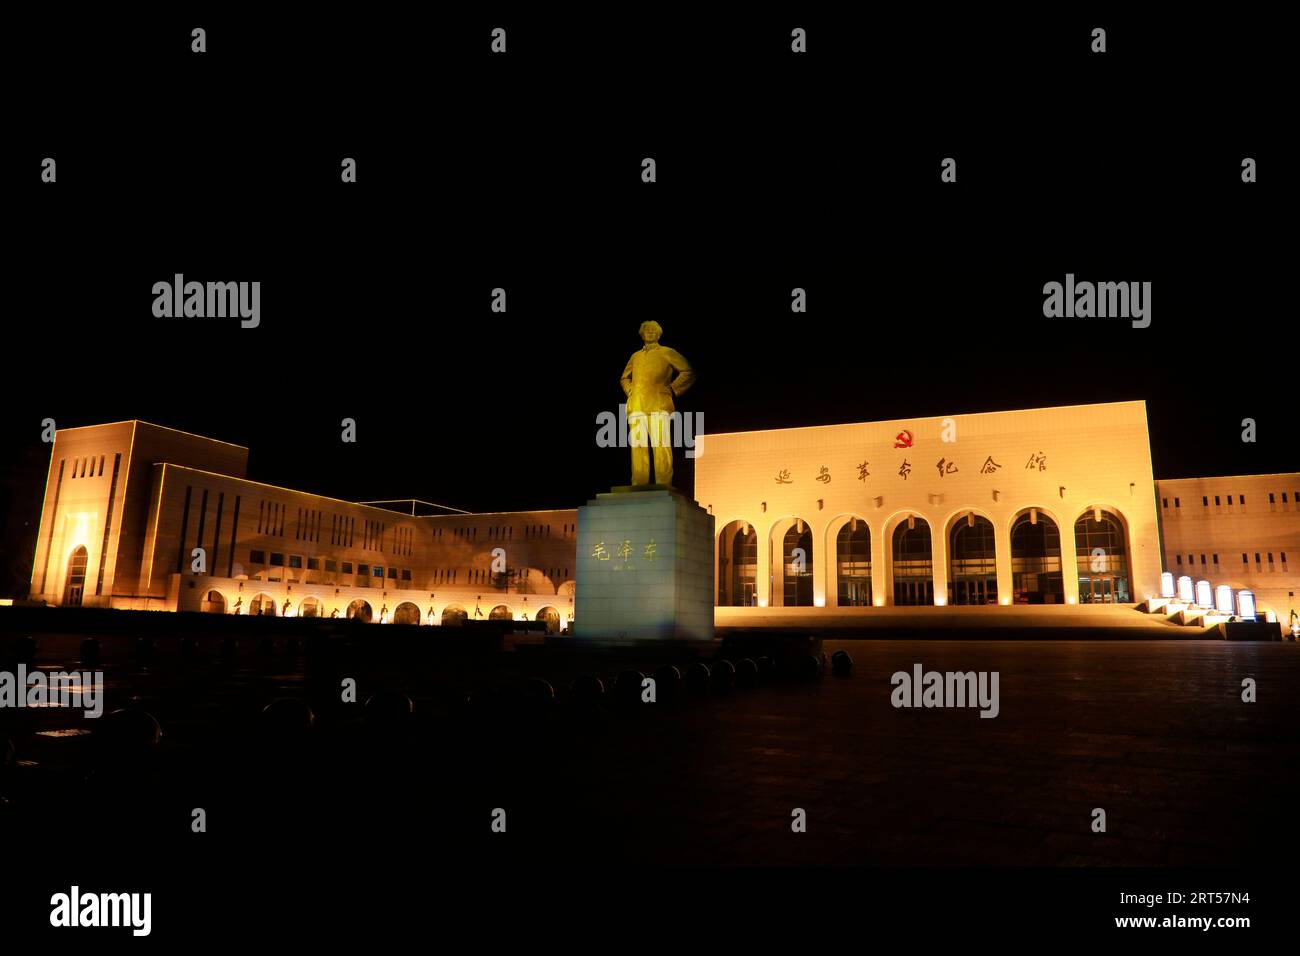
924,299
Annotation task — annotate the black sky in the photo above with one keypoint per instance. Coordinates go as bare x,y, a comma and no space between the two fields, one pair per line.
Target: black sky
925,299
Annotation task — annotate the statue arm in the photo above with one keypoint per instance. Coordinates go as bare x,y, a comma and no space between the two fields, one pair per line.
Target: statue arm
685,374
626,381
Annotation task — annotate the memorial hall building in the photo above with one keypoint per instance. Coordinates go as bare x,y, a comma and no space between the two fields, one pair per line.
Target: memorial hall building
1040,506
128,504
1051,506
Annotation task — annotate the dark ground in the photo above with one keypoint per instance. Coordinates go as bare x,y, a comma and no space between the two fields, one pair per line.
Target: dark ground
1153,732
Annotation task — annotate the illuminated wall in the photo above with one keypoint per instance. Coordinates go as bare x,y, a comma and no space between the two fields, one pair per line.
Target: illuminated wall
1242,531
144,497
858,500
1058,465
98,497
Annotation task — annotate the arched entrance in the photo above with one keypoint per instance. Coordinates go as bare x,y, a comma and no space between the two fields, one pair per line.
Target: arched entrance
737,565
500,613
792,572
853,564
552,618
262,605
310,607
76,577
453,615
213,603
912,563
1036,559
406,613
361,611
972,563
1103,558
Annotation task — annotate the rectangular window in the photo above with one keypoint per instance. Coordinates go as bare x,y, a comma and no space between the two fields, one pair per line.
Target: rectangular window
1202,560
257,557
1176,503
1243,558
378,571
277,559
295,560
1217,502
331,564
1205,501
313,564
1243,499
1179,558
1257,557
1164,503
406,572
1229,501
1271,499
1216,560
392,573
347,566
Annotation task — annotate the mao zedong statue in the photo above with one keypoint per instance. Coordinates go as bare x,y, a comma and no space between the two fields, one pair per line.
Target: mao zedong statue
654,375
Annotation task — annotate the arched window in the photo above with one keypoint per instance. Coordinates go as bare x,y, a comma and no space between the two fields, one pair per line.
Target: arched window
1036,560
853,564
797,563
76,577
737,565
1103,559
972,563
912,562
406,613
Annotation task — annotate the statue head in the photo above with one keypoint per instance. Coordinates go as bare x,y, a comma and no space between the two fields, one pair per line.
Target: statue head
650,331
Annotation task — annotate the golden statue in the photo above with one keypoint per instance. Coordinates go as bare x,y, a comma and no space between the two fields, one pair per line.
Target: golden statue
653,376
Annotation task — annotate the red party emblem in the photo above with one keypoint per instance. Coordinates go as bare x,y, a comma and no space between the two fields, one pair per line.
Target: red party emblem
903,439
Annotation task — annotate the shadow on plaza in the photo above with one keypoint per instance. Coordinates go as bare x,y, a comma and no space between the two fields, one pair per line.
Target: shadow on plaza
444,740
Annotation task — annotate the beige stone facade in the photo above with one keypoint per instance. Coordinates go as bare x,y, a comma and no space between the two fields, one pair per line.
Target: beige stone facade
1242,531
1052,505
1040,506
128,504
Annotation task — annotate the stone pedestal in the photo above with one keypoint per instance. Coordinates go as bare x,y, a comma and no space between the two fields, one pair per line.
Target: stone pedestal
645,567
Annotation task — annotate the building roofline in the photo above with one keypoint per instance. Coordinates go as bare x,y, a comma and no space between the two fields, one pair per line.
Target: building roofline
359,504
1267,474
414,501
266,484
489,514
881,421
139,421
